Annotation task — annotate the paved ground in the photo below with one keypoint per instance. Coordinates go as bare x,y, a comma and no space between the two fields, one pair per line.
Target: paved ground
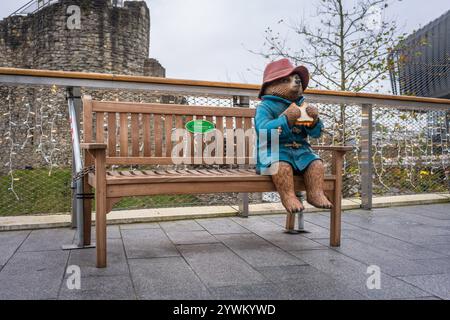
234,258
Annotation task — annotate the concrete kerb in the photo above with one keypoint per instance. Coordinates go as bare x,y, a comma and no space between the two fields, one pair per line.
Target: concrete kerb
171,214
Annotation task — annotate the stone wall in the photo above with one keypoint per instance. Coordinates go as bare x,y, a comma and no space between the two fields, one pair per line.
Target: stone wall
111,40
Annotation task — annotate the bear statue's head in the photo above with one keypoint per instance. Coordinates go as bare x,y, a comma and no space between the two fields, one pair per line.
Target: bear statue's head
284,80
289,87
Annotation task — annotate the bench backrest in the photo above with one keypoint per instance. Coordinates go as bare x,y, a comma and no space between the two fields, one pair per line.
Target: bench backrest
140,133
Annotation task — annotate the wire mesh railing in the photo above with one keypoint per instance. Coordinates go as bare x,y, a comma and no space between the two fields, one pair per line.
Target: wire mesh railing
409,150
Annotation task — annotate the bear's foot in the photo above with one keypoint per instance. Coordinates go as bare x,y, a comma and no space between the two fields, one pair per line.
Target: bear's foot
292,204
318,200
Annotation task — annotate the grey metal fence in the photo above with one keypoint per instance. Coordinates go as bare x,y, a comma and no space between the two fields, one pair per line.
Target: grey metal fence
401,146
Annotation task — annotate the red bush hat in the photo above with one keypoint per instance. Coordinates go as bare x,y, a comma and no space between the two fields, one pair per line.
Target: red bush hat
280,69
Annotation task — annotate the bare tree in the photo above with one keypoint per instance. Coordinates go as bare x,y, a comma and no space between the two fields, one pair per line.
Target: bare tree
346,49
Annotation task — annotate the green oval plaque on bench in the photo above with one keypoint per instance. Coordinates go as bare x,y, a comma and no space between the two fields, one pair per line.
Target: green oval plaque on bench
200,126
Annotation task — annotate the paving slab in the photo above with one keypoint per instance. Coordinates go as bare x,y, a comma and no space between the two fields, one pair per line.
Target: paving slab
265,291
394,245
436,211
290,242
354,274
48,239
436,284
438,265
394,226
414,216
218,266
314,231
191,237
430,241
221,226
100,288
388,262
151,225
33,275
391,219
257,251
257,224
147,243
181,225
323,220
442,247
9,243
166,278
307,283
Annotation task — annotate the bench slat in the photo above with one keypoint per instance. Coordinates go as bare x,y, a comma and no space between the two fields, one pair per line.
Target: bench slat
248,143
124,135
87,120
100,127
240,147
212,175
168,134
219,127
158,134
135,134
209,141
146,133
191,137
179,125
112,144
229,137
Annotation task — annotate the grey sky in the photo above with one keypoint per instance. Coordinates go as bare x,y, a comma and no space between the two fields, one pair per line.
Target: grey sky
207,39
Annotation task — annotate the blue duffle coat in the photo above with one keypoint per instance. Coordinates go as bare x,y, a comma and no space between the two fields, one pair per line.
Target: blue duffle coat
269,117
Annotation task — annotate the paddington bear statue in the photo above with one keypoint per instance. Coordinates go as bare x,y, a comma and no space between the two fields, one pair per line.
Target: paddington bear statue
282,96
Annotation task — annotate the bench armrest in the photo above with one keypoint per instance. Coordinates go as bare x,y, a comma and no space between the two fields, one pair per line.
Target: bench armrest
93,146
337,160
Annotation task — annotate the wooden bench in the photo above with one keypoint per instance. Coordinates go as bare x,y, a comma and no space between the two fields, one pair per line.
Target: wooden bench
139,134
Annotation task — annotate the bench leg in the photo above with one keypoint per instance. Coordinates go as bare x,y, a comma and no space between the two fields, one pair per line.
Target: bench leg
336,199
290,223
87,211
301,221
100,228
100,207
335,221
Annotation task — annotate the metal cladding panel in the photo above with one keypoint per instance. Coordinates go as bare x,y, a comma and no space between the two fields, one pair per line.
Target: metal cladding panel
424,69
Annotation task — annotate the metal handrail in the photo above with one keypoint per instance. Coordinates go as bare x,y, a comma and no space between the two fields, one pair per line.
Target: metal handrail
14,76
25,8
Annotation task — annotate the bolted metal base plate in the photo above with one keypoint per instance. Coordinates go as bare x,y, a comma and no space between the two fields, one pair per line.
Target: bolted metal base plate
303,231
76,247
296,231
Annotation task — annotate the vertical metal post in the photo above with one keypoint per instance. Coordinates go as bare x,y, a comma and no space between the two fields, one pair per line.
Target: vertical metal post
73,186
74,115
366,156
243,205
243,102
76,94
301,221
